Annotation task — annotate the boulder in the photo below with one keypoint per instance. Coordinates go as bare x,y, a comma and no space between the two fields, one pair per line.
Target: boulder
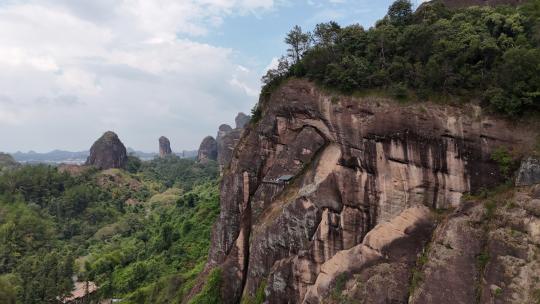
529,172
108,152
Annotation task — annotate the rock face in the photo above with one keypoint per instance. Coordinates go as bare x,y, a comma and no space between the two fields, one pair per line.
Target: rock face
164,147
367,175
108,152
227,138
241,120
207,150
529,172
390,245
485,253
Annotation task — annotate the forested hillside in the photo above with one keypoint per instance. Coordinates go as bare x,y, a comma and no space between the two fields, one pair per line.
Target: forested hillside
140,236
488,54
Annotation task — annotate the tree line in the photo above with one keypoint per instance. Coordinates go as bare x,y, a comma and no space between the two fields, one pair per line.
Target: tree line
489,54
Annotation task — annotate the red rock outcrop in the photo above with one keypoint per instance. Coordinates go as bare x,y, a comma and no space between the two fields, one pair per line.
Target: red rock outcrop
226,139
322,182
241,120
207,150
108,152
164,147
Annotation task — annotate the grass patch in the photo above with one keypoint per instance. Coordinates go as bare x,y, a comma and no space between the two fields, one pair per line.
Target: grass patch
259,297
211,292
536,296
417,275
490,207
417,278
339,286
482,260
504,159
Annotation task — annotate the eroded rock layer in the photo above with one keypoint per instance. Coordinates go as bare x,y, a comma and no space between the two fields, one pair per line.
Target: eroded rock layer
326,188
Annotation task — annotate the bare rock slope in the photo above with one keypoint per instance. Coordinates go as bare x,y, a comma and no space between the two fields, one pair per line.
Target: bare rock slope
331,197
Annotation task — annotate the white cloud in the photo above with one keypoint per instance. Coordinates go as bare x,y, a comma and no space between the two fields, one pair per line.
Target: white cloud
78,69
273,64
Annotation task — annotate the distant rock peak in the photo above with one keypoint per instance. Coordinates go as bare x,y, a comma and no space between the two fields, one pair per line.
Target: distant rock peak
164,147
108,152
207,150
241,120
225,141
225,128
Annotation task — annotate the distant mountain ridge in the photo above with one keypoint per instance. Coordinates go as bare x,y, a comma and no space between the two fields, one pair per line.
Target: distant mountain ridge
79,157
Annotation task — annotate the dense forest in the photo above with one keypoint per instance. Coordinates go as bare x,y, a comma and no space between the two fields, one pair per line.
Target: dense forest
141,236
477,53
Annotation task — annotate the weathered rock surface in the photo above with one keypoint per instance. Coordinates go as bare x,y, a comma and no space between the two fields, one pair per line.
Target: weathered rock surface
242,120
529,172
164,147
226,138
207,150
451,271
108,152
512,270
358,166
395,244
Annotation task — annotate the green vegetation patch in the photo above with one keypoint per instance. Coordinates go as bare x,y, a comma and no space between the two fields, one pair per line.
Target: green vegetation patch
142,237
211,292
487,54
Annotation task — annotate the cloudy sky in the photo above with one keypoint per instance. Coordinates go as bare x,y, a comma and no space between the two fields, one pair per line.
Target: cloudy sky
72,69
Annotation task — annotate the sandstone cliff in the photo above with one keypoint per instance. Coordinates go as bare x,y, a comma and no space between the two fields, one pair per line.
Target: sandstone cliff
226,140
241,120
164,147
108,152
207,150
331,198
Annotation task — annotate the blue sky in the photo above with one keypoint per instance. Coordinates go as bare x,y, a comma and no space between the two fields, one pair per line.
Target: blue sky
261,35
71,70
